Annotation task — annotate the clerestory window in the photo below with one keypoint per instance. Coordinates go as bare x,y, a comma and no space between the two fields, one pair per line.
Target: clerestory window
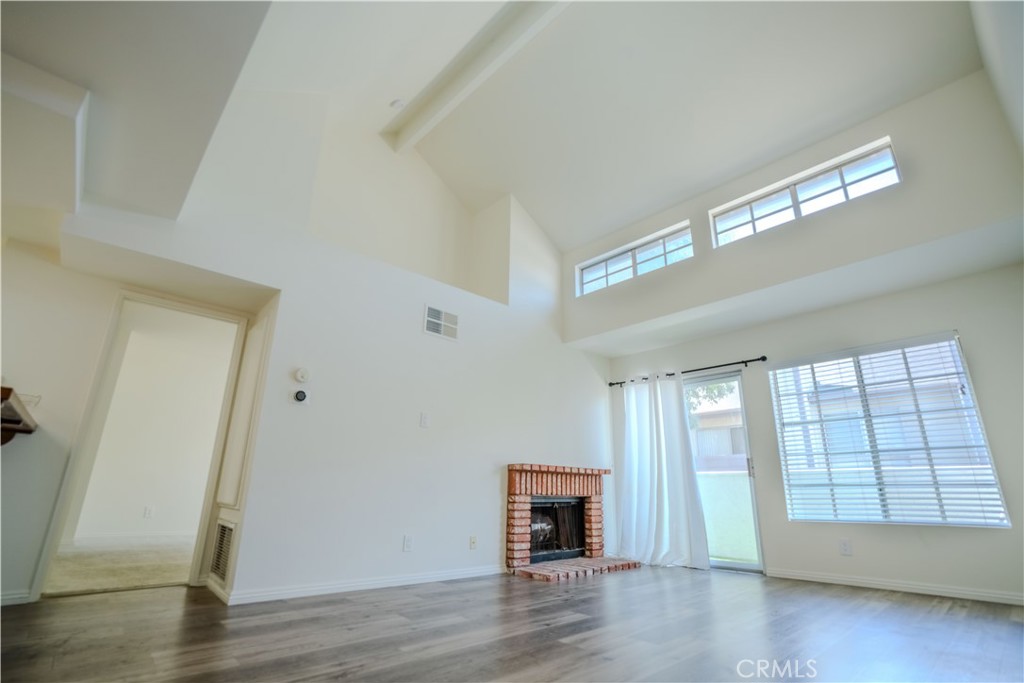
852,175
652,253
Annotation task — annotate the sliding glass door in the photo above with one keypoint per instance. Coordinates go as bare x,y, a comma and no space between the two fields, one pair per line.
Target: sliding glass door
718,437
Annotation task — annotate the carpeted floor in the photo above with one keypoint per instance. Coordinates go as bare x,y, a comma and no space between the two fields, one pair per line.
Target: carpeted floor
110,568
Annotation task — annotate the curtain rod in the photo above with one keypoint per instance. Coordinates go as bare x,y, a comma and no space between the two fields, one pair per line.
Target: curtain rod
744,363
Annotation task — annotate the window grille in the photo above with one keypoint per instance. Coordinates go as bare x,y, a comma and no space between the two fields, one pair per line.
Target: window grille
833,183
649,256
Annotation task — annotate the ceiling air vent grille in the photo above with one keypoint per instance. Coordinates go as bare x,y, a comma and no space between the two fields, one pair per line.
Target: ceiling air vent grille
222,551
441,323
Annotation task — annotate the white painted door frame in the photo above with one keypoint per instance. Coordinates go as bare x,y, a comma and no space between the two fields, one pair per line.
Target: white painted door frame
86,444
737,376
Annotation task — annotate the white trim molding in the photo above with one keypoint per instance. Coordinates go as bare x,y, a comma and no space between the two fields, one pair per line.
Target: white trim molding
214,585
16,598
1004,597
120,540
285,592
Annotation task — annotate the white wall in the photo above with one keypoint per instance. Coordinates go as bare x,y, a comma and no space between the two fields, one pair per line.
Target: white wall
54,325
290,163
159,433
337,481
488,251
988,311
389,206
961,172
997,25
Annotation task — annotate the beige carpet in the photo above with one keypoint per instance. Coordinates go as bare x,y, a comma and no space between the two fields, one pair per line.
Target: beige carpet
96,570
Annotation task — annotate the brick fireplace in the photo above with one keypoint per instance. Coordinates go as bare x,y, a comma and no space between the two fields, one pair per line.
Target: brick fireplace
527,481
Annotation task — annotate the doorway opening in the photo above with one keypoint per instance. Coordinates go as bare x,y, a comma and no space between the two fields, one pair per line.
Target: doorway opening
718,438
140,498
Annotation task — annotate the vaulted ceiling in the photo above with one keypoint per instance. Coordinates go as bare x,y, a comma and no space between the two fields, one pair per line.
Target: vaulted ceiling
594,115
159,75
619,110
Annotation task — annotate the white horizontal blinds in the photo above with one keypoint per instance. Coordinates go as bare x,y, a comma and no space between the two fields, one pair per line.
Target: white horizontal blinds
891,436
808,194
647,257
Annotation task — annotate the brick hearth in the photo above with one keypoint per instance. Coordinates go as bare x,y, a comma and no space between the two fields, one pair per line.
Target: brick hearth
563,570
526,481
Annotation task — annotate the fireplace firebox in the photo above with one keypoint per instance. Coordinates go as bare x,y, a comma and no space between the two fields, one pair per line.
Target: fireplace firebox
556,528
527,482
547,506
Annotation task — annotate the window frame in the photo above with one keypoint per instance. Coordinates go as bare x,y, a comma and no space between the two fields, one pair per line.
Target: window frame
809,474
628,269
796,204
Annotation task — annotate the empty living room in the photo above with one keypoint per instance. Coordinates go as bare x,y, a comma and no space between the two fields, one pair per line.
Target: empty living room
512,341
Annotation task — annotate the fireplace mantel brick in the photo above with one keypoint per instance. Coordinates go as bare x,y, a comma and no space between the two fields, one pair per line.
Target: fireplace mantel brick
528,480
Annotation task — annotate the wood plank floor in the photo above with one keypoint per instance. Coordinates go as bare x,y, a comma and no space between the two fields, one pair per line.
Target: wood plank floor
651,624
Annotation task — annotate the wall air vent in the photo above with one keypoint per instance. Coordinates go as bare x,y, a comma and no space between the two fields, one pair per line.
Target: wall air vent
222,550
441,323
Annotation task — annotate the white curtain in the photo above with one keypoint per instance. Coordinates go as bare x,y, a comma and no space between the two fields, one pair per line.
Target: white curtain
660,520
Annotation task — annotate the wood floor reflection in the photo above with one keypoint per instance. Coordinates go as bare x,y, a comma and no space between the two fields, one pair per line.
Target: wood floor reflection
652,624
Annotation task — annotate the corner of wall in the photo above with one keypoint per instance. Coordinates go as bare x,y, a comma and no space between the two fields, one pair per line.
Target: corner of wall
535,267
487,252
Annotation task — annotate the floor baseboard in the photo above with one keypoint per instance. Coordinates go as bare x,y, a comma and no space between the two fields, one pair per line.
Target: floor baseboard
285,592
1002,597
15,598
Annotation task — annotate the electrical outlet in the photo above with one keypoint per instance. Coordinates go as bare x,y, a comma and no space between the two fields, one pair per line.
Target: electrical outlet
472,542
407,543
844,547
147,512
424,420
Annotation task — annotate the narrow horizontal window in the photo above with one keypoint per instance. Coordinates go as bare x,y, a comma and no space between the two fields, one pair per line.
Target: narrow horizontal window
649,255
886,437
847,177
773,210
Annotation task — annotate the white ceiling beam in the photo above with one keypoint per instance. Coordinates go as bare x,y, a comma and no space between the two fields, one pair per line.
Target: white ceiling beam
496,45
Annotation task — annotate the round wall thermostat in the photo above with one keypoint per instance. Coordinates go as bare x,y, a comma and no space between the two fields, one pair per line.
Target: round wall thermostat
302,375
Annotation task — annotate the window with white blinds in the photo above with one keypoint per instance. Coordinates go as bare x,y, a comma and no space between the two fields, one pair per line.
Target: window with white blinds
889,436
